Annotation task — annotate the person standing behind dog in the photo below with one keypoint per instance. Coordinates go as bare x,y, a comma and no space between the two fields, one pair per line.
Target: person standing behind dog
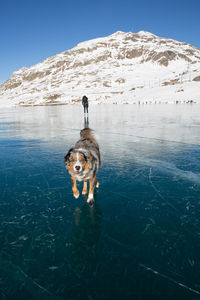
85,104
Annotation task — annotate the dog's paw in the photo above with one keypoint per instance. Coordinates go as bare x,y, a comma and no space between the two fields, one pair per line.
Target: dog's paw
76,194
84,192
97,184
90,198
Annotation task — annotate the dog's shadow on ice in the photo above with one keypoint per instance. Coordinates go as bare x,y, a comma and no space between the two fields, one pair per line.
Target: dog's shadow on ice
85,236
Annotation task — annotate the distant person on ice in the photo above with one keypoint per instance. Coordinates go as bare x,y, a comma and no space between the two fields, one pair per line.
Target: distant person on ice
85,104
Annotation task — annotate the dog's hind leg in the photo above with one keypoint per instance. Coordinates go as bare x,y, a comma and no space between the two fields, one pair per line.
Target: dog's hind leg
84,192
96,183
74,188
91,190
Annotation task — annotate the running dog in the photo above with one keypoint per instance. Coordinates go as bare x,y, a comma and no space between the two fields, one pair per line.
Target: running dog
83,162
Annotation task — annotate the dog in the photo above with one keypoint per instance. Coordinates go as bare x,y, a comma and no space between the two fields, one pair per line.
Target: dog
83,162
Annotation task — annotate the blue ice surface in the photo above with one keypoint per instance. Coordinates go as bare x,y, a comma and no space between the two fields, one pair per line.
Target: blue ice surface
139,240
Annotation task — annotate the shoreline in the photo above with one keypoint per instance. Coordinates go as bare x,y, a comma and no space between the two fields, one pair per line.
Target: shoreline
94,103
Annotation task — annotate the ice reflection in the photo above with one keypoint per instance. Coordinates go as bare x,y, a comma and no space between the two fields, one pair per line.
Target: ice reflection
163,122
86,121
85,236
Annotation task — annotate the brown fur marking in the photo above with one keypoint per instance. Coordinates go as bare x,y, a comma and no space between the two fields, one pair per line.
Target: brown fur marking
74,188
84,192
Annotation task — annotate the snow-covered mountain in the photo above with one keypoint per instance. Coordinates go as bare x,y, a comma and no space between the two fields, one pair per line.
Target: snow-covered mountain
121,68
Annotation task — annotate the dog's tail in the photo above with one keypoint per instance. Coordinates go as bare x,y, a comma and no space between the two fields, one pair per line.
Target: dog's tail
87,133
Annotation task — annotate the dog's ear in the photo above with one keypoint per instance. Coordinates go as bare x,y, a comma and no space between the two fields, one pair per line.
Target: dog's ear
84,155
67,156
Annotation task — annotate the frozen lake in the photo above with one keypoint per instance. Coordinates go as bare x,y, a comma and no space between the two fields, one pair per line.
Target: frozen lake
141,238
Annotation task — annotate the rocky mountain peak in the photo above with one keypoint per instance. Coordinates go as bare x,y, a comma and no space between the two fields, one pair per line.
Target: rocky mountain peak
123,61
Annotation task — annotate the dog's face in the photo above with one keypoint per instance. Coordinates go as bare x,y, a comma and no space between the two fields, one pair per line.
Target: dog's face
77,163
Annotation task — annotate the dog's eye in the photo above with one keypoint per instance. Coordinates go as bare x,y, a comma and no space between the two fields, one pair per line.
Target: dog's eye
82,158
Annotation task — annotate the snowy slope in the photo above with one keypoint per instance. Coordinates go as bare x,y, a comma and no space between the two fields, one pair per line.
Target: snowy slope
121,68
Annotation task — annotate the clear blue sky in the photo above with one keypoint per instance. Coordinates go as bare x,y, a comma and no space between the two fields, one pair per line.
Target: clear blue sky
32,30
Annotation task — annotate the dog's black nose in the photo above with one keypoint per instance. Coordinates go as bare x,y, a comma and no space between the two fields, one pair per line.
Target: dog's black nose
77,168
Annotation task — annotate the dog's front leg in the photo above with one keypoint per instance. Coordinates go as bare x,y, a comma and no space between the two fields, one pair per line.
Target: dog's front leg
74,188
91,190
84,192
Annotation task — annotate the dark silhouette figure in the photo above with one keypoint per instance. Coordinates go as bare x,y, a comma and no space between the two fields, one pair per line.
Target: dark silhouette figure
85,104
